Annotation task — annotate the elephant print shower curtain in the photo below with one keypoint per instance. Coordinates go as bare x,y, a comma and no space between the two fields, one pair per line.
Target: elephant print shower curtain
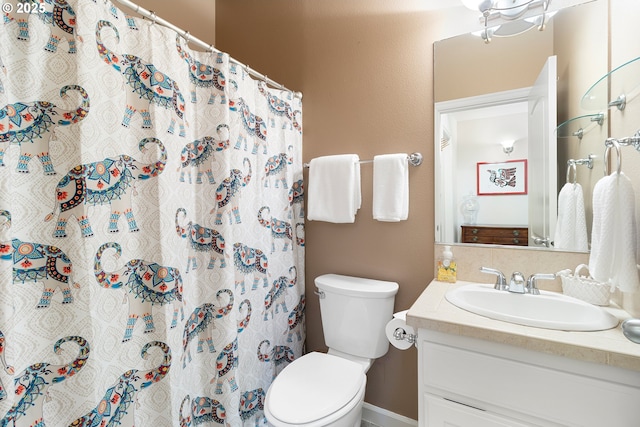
151,225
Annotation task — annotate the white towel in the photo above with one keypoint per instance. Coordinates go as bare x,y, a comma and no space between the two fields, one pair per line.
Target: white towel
334,188
571,227
391,187
613,256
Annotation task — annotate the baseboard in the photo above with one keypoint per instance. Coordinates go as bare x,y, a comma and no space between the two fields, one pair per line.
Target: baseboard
382,417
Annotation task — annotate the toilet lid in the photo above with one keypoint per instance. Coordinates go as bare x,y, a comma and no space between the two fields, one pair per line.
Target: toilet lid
314,386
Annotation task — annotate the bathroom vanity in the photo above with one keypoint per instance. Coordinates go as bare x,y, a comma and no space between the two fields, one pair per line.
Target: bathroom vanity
479,372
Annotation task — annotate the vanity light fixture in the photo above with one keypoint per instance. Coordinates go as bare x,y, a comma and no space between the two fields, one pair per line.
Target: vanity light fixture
509,10
507,146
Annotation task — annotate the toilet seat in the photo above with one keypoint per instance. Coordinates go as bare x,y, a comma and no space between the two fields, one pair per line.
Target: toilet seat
314,387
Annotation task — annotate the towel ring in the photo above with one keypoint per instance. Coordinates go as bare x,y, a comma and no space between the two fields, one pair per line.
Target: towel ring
571,166
612,142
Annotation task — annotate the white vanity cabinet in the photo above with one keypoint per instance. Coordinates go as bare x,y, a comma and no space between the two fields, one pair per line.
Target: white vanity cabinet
472,382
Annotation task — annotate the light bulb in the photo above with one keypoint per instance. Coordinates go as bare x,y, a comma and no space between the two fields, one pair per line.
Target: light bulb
511,9
480,5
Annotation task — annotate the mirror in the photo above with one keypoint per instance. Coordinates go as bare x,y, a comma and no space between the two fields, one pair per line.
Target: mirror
481,96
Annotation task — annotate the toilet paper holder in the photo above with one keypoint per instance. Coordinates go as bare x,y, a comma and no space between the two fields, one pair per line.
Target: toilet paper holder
401,335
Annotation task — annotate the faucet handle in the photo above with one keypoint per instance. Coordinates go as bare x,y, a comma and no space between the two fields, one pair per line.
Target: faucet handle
531,282
501,281
516,284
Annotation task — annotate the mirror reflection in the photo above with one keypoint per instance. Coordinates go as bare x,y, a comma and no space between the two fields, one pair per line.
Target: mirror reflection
508,119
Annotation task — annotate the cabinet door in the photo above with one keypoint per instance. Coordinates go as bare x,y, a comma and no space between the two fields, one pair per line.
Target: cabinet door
514,379
440,412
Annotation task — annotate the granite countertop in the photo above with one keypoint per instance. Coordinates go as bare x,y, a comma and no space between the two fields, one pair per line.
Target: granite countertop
432,311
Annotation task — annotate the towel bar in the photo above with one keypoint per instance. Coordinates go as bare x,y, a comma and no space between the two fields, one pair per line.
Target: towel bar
414,159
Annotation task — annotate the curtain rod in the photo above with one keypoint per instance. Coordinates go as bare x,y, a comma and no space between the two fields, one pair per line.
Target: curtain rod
190,39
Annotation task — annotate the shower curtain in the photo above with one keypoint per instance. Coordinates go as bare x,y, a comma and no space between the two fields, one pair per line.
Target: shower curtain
151,225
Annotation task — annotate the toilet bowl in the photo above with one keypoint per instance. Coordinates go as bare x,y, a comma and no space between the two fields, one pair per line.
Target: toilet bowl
327,391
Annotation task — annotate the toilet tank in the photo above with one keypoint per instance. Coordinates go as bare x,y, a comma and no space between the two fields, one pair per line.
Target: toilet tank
355,312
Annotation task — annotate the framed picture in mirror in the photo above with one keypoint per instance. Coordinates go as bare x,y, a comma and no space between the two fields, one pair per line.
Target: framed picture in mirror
501,178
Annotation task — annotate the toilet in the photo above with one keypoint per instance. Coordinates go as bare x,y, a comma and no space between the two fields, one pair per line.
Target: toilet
327,389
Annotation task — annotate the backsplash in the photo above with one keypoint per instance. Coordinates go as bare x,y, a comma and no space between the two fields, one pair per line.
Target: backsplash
509,259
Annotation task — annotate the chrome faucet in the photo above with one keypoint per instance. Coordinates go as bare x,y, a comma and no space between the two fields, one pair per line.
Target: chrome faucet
531,282
501,281
517,283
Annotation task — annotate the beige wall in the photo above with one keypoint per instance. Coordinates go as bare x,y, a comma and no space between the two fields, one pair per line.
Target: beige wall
462,62
583,58
365,68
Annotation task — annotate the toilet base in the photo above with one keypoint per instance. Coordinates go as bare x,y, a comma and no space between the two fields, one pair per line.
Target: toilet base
351,419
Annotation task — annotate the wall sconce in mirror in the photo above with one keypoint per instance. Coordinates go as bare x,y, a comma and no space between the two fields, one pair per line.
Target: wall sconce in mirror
509,10
507,146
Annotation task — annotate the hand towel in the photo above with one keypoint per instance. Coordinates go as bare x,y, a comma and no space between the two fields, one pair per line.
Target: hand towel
334,188
613,256
571,226
602,234
391,187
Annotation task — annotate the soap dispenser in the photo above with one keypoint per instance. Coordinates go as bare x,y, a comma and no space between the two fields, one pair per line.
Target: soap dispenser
447,268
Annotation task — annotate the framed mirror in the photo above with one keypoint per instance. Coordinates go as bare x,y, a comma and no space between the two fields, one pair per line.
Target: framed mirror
484,102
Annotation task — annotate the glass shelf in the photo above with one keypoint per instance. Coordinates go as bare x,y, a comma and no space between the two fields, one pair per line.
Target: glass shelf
578,126
625,77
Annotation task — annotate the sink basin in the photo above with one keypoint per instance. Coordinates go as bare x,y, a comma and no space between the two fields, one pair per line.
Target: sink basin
548,310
